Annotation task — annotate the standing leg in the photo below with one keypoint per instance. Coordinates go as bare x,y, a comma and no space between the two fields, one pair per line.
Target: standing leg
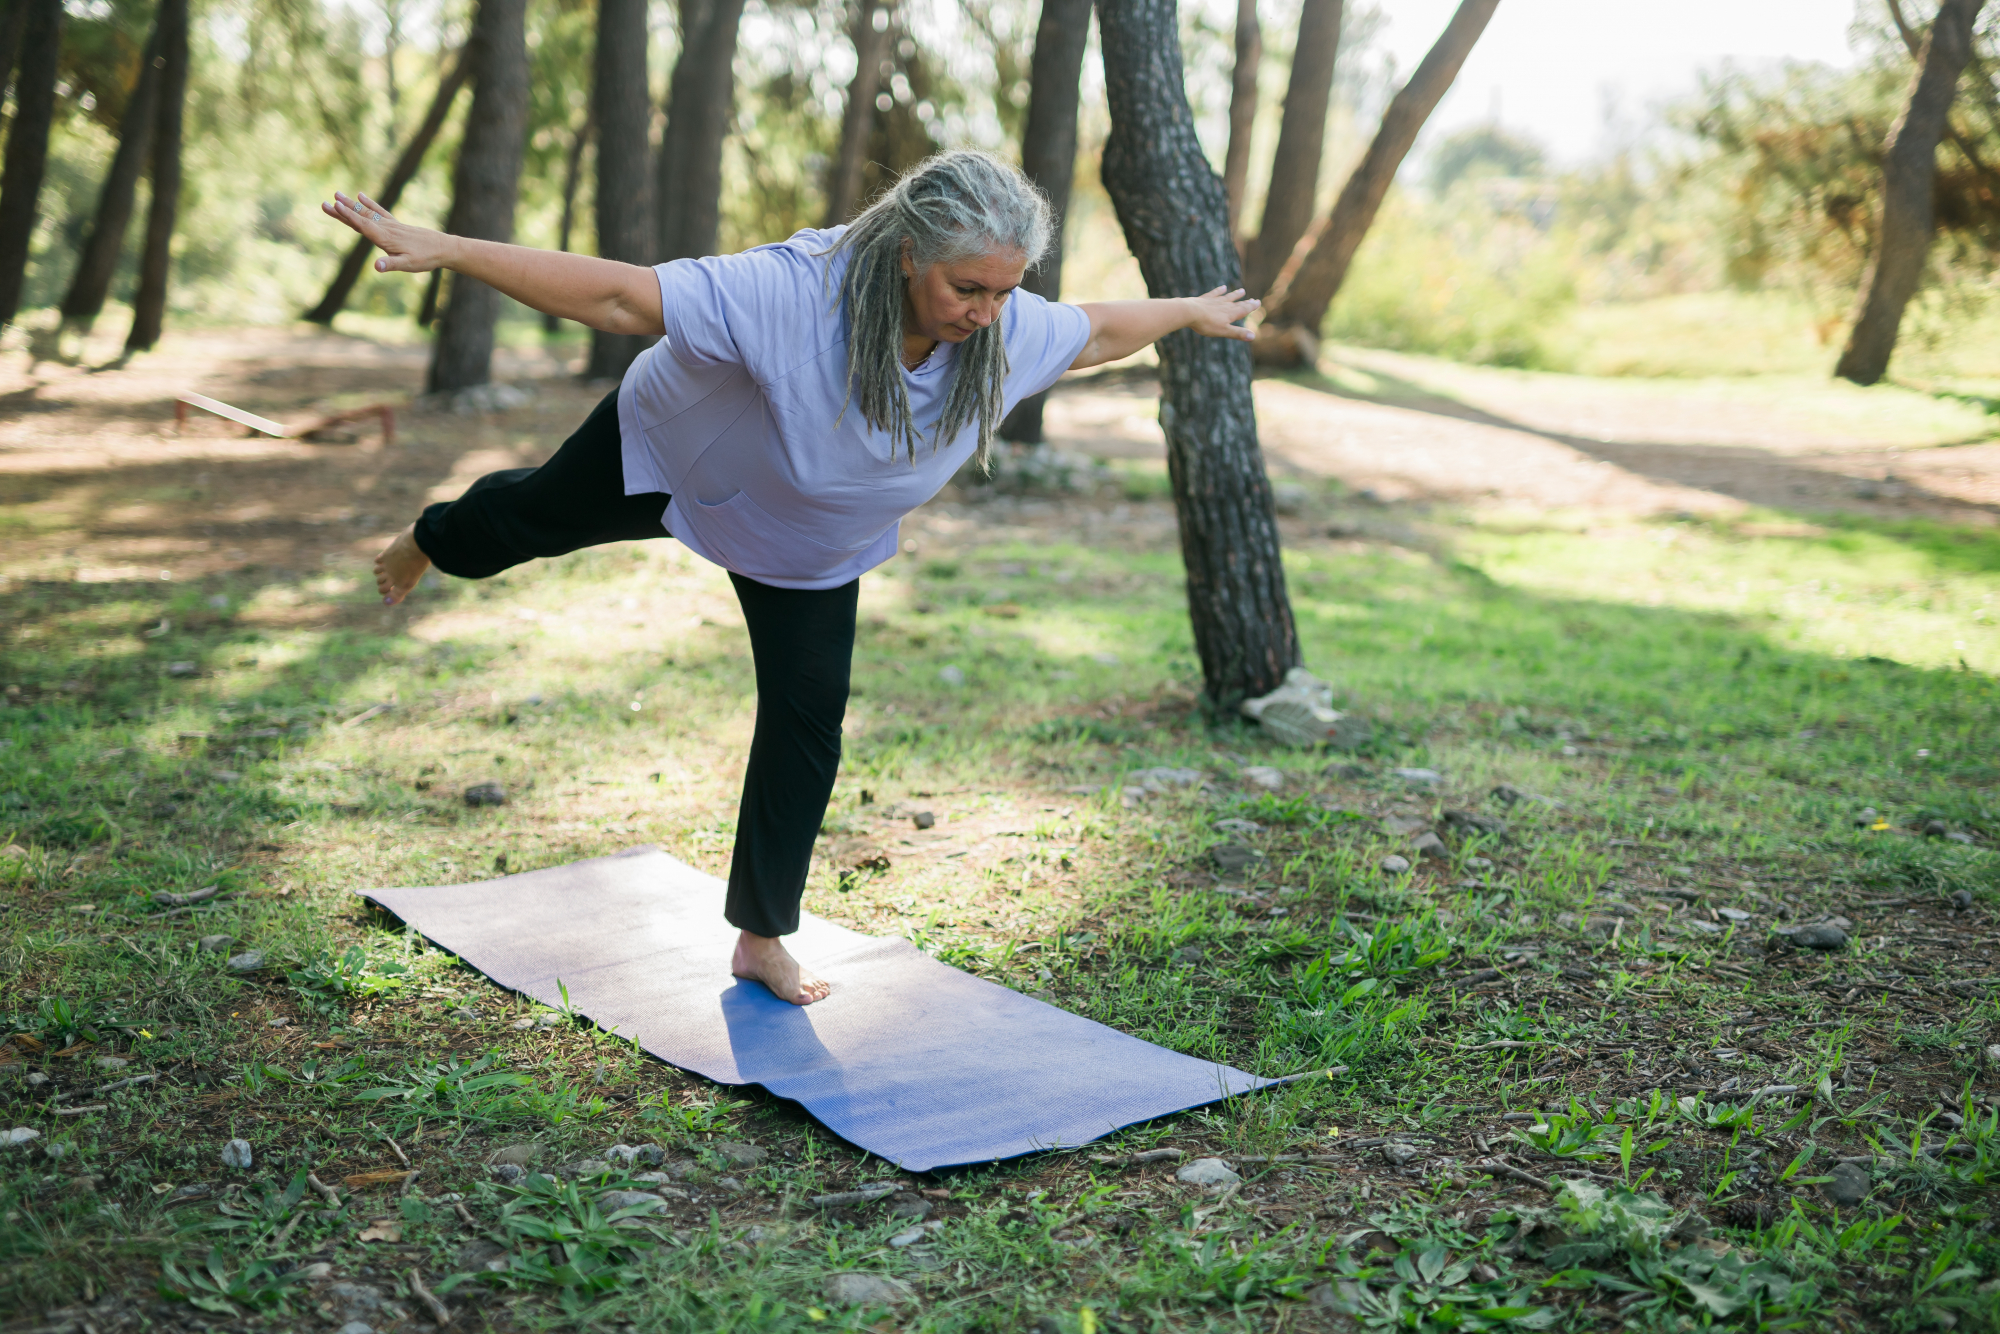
803,644
577,499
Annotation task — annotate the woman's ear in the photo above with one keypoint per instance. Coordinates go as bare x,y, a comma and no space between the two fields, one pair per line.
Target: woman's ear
909,263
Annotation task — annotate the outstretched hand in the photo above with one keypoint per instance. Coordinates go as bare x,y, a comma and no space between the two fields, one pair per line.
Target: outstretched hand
405,249
1216,313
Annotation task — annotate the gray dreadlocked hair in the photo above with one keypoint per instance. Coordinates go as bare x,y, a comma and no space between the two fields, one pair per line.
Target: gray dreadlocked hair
950,207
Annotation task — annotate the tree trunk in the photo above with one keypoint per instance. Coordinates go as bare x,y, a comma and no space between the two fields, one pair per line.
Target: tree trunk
623,104
1176,222
1242,107
27,147
1288,204
1301,303
572,176
484,188
1048,155
1909,209
405,171
699,99
97,264
149,302
13,18
871,35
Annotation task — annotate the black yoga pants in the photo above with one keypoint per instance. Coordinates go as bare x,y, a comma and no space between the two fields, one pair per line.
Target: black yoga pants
802,641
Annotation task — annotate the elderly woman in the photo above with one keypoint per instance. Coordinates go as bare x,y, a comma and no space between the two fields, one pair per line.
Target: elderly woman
804,397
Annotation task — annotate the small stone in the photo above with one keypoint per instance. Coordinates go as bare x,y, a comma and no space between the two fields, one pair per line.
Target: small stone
1394,865
522,1025
1705,928
1509,795
182,669
923,819
652,1155
236,1155
730,1184
1164,779
1264,776
19,1135
908,1204
1431,846
1936,829
1961,899
1398,1154
510,1173
486,794
1231,858
1733,914
584,1167
1819,936
952,675
316,1271
611,1201
349,1298
280,1022
1993,1054
247,962
1239,827
1468,822
1850,1184
111,1063
356,1327
865,1290
738,1154
908,1238
1207,1172
216,944
36,1079
1421,777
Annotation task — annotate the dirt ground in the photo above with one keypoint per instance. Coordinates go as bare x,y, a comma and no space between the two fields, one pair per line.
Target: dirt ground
97,453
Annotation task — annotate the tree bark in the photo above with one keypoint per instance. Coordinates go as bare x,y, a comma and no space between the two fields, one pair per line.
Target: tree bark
1288,204
1176,222
97,264
1302,302
1909,209
1242,108
484,188
699,99
149,302
871,34
13,18
572,177
1048,155
400,175
27,147
624,109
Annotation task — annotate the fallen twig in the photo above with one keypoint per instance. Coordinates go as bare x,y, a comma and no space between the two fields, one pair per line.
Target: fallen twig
866,1195
332,1196
1493,1167
286,1235
464,1214
112,1087
410,1181
79,1111
182,900
429,1299
397,1149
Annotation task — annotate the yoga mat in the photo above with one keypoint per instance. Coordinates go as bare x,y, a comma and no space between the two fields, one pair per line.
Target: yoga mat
907,1058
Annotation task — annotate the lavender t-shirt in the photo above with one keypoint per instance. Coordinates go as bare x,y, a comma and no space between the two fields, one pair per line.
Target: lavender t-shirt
741,414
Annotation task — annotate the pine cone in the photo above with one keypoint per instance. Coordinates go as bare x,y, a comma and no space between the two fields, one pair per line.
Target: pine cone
1748,1213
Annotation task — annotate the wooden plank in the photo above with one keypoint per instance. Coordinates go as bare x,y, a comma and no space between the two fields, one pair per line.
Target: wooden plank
237,415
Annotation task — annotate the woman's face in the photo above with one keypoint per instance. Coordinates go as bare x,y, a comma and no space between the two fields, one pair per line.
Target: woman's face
949,302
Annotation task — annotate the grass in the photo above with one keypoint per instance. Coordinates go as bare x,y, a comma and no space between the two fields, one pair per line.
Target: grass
1677,692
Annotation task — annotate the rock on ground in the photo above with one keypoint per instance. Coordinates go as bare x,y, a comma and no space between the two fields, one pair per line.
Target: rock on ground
236,1154
1850,1184
1207,1172
865,1290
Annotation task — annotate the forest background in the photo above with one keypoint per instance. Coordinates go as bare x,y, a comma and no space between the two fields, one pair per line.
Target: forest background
1747,206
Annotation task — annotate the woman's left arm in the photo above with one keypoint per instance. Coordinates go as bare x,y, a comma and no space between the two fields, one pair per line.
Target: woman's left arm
1120,328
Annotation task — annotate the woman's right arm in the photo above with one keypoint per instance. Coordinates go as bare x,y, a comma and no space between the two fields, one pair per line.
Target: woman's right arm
601,293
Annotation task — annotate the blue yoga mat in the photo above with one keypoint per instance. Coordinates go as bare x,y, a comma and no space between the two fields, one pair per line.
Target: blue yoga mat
908,1058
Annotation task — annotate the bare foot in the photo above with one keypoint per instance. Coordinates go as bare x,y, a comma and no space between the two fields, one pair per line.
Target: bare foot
765,959
399,567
